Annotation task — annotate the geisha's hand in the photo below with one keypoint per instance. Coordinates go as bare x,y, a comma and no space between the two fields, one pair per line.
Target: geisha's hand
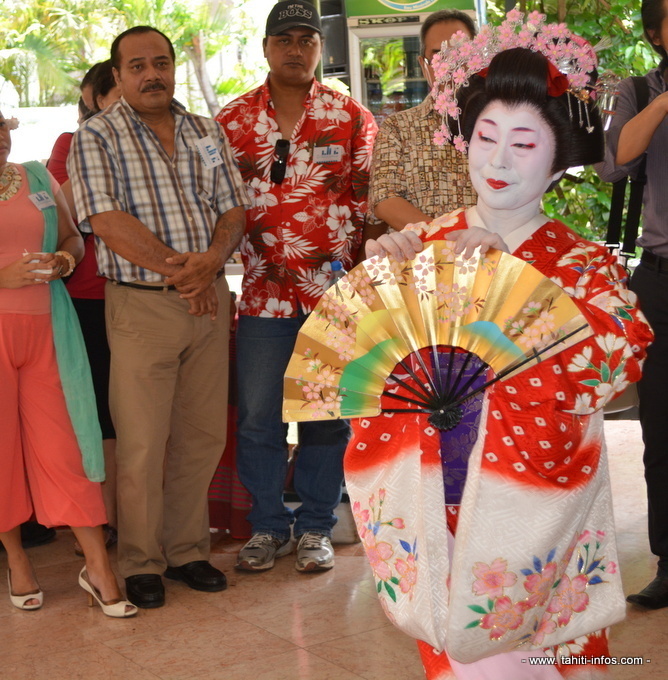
401,245
467,240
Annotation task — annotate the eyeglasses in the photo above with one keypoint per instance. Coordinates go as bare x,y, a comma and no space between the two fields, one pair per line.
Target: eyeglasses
279,166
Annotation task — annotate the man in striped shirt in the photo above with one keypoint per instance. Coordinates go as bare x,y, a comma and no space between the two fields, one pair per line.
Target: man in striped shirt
160,190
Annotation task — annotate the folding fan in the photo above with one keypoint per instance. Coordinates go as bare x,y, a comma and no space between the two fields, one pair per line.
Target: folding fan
427,334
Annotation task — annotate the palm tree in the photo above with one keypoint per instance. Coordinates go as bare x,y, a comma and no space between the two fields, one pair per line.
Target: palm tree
198,31
45,45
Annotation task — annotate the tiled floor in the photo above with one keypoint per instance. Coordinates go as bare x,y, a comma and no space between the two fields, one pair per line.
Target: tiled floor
282,625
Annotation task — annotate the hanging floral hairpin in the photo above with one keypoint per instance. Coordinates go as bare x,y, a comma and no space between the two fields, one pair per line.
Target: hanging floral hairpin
571,58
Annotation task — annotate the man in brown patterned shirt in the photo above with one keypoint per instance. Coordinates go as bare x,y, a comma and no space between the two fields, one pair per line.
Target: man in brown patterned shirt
412,179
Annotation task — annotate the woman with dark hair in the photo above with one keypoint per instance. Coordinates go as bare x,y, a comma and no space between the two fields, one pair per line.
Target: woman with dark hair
493,542
633,136
105,90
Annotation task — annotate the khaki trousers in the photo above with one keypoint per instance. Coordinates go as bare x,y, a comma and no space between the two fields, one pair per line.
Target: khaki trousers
168,400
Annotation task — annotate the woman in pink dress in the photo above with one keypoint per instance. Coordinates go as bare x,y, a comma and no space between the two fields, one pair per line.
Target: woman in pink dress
492,543
51,448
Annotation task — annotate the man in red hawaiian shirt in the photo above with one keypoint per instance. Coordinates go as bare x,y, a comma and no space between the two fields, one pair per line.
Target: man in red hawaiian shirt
304,151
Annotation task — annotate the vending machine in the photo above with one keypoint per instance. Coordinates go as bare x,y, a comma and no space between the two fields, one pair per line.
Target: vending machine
384,50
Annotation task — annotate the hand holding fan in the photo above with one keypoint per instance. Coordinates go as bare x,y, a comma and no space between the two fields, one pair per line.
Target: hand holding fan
433,325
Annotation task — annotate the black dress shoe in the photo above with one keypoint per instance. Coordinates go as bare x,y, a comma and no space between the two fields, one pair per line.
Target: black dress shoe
145,590
199,575
652,596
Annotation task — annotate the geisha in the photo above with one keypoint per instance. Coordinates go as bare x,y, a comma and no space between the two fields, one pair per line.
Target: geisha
495,543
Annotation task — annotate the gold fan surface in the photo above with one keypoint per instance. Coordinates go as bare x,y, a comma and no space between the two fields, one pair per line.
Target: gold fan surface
494,305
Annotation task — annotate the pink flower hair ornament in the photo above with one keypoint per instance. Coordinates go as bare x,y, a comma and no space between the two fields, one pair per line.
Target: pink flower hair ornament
572,60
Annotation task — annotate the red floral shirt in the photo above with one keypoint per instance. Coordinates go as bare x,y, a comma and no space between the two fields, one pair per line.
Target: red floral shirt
295,229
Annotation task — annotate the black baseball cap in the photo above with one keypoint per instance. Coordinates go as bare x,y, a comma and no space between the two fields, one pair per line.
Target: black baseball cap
289,14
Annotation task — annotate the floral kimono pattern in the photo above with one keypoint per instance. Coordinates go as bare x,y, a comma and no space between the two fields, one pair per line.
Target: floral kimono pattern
533,566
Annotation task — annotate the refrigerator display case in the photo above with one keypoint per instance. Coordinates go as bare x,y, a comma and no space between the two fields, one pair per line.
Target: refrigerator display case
384,51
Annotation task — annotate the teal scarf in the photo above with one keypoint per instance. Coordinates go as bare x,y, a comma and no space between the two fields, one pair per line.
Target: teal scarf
70,348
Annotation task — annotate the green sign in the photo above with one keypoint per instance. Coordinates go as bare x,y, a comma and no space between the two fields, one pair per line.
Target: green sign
357,8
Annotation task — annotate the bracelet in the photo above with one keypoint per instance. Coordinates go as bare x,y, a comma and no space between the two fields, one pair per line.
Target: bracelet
70,261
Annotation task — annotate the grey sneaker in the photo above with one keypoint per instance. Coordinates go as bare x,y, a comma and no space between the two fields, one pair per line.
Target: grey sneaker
314,552
261,551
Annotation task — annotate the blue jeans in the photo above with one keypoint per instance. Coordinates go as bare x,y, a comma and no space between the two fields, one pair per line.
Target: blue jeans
264,347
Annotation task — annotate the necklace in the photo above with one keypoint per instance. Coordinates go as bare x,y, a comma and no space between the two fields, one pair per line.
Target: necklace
10,182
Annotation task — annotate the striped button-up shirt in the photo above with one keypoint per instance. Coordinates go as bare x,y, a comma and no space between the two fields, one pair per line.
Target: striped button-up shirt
118,163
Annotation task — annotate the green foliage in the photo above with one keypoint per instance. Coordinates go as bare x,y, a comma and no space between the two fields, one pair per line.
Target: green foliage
47,45
582,202
241,81
385,62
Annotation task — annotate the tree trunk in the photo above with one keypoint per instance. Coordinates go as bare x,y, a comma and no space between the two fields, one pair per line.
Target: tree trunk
561,10
197,56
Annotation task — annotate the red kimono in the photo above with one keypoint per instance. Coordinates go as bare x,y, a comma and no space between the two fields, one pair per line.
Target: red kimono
533,568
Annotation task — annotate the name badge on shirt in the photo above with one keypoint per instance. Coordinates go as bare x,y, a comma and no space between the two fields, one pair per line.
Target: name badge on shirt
209,152
41,200
328,154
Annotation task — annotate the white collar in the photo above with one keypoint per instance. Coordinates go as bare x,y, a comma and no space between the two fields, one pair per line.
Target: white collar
516,237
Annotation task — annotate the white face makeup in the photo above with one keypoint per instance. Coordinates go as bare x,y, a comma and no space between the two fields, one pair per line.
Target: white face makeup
510,157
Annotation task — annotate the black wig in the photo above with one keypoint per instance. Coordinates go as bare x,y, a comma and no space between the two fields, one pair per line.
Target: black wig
520,76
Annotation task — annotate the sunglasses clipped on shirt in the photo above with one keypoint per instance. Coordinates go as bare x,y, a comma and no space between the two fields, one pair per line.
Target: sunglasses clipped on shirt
279,166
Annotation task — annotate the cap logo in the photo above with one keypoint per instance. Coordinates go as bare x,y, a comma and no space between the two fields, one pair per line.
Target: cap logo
295,11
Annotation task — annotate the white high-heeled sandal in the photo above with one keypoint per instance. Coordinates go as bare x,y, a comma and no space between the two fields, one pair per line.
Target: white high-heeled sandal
20,601
117,609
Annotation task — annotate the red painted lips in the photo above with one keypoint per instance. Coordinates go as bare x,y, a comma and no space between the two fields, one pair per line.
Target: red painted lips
497,183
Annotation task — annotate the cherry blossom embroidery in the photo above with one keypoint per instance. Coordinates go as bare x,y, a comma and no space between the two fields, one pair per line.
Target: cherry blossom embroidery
507,615
546,584
403,572
492,578
540,582
569,598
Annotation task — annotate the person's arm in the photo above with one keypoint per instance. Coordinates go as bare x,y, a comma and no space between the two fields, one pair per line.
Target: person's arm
370,232
66,188
69,241
199,270
387,186
57,163
133,241
599,368
69,238
610,169
638,132
101,201
364,132
398,212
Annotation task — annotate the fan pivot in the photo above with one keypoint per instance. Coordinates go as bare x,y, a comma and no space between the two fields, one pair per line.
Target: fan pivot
446,418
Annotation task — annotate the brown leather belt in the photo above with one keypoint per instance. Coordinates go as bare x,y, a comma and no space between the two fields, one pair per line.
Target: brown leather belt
155,286
144,286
